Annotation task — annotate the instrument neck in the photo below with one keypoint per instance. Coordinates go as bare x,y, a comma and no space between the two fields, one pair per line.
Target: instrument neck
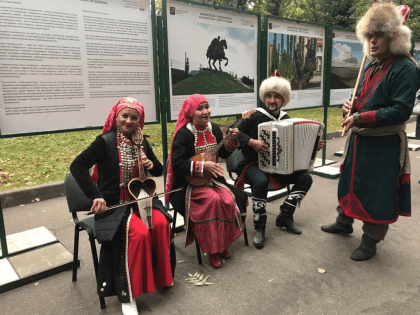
138,140
228,133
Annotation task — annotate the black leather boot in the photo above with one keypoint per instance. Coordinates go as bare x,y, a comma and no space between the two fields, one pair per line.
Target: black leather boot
285,219
342,225
366,249
260,219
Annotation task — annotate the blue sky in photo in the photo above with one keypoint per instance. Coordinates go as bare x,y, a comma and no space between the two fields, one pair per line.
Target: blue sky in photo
356,49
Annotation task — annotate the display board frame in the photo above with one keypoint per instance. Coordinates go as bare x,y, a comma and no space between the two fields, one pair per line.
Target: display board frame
167,80
155,87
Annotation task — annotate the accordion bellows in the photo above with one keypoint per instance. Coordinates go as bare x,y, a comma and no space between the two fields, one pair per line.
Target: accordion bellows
292,145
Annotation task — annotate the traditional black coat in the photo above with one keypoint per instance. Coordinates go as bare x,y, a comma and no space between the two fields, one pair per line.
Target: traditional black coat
249,130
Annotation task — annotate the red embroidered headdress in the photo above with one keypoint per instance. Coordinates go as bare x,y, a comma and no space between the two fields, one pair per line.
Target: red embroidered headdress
111,121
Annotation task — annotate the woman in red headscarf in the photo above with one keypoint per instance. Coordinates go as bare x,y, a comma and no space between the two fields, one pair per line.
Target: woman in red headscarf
213,209
126,267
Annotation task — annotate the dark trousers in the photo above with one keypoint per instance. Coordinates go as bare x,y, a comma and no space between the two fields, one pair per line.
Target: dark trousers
259,182
418,127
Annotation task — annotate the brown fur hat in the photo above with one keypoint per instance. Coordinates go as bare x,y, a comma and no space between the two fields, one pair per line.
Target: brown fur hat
276,84
384,17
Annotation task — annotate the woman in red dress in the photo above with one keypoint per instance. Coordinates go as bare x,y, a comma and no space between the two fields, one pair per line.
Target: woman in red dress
212,212
126,267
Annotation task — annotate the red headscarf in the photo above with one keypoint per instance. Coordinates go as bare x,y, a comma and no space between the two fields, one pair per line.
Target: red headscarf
111,121
185,116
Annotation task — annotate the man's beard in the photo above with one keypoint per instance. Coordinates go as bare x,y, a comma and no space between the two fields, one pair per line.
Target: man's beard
278,106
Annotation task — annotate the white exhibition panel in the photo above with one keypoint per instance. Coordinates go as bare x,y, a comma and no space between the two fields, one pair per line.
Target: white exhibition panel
347,56
191,30
64,63
416,54
307,84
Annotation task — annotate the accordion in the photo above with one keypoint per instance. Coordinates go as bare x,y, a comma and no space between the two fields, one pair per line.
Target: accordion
292,145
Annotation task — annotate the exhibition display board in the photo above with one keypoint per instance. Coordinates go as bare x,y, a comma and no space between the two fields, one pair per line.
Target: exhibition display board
65,63
347,56
296,49
211,51
416,52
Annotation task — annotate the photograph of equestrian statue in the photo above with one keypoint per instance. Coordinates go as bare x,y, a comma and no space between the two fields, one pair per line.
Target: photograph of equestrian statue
346,60
212,59
297,58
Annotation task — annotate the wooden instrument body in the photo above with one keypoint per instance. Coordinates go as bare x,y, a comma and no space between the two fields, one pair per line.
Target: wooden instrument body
143,186
140,189
202,157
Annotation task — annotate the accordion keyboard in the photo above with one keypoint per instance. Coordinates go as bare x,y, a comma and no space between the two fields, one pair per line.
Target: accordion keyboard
265,157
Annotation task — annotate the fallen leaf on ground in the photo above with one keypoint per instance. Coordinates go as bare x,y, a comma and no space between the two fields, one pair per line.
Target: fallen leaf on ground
270,280
198,279
321,270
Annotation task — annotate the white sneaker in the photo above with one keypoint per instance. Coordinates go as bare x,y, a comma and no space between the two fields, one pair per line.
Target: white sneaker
129,308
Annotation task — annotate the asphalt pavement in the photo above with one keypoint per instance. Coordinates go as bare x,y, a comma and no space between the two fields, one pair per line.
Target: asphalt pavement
282,278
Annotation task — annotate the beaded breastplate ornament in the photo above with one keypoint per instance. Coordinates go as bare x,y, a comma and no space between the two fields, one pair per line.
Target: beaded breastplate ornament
203,138
129,169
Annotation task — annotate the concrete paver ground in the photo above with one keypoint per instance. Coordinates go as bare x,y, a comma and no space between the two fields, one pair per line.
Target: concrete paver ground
281,278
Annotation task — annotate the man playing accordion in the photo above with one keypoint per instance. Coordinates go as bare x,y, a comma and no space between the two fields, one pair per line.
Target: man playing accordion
374,185
275,92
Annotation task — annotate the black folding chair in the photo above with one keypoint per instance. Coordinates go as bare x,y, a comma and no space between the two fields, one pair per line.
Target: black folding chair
77,202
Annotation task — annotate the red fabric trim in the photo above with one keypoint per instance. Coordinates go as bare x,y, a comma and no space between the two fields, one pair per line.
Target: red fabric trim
370,85
353,164
276,185
405,179
347,204
368,119
341,167
405,214
307,122
240,183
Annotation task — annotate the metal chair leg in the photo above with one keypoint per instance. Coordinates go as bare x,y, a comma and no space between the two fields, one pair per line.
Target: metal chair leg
245,233
198,252
75,252
96,267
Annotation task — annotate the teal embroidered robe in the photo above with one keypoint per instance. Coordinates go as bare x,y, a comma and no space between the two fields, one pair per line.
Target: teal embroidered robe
370,188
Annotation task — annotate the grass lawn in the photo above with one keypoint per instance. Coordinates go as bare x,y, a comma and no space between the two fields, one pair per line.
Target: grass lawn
35,160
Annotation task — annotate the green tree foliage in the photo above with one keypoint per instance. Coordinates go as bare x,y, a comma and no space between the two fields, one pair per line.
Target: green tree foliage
338,12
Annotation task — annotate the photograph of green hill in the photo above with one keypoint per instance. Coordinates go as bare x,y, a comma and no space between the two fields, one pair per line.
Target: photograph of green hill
211,82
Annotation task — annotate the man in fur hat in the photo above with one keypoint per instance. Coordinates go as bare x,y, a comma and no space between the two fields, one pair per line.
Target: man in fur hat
374,184
275,92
